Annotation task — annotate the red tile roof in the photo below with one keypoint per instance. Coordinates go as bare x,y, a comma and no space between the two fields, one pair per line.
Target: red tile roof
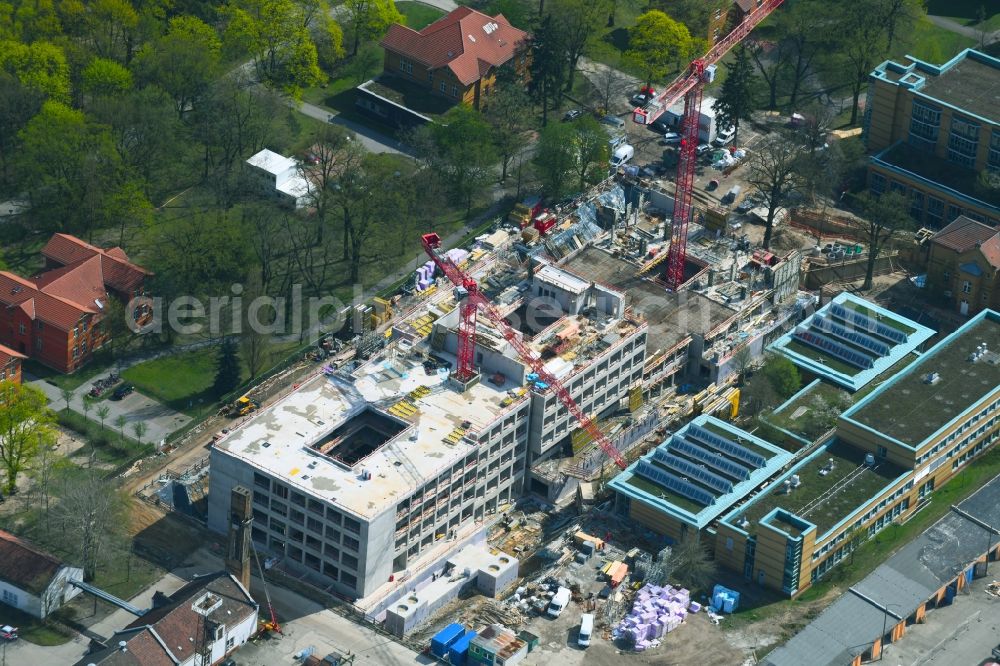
7,355
17,292
964,234
991,250
119,273
465,41
24,566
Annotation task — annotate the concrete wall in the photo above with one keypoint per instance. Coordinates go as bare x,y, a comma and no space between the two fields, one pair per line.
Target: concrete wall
817,275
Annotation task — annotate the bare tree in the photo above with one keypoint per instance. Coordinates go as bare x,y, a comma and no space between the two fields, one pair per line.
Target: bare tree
884,217
67,395
120,424
774,171
691,565
91,513
611,84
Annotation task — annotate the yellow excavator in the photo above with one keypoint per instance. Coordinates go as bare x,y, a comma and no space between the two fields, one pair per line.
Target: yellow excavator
241,407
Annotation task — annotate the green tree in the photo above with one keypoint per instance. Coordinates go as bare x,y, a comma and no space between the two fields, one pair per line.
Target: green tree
581,22
737,99
111,28
782,375
370,18
554,159
227,368
590,152
775,170
70,171
548,66
40,67
274,33
695,14
66,395
862,38
103,77
139,428
463,152
102,413
183,62
883,218
803,34
26,423
120,422
657,43
508,114
17,106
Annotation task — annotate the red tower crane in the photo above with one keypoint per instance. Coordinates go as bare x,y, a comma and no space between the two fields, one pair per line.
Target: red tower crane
689,86
472,300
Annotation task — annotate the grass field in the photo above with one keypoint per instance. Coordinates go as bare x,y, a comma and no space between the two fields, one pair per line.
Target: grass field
932,44
182,381
418,15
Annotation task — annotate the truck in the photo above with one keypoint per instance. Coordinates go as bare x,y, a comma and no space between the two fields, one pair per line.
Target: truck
558,602
622,155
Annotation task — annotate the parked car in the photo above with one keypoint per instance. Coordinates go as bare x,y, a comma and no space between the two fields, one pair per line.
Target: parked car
8,633
572,114
703,148
660,126
122,391
640,99
671,139
614,121
725,136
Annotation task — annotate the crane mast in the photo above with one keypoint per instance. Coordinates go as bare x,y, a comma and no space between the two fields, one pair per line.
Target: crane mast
472,300
690,85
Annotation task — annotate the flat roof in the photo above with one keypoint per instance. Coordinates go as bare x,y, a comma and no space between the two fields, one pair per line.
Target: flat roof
687,448
830,322
671,316
936,171
272,162
897,587
910,409
826,495
969,82
431,442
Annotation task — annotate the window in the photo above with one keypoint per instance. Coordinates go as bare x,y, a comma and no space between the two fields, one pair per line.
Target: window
20,328
966,287
963,142
935,211
916,204
444,88
430,75
454,90
953,212
406,66
38,343
925,123
230,643
993,159
10,598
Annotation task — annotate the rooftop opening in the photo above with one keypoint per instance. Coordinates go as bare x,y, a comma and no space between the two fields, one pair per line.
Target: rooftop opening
359,437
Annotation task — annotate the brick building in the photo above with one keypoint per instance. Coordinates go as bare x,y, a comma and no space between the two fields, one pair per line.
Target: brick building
458,56
10,365
963,269
55,317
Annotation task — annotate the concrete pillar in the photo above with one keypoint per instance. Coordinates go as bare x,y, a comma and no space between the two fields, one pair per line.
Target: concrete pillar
238,550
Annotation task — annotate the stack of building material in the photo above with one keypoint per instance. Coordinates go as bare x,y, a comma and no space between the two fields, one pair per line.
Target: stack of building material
655,612
725,600
425,276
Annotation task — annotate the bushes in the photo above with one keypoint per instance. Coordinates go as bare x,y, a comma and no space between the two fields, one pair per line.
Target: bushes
110,445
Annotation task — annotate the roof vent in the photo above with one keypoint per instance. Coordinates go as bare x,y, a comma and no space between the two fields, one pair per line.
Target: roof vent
16,289
869,460
123,646
472,38
490,28
932,378
97,302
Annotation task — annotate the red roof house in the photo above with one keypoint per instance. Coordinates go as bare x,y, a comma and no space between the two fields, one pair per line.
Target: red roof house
10,365
55,316
457,56
963,269
31,580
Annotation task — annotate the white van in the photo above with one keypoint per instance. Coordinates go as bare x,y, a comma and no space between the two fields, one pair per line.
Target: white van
622,155
586,629
558,602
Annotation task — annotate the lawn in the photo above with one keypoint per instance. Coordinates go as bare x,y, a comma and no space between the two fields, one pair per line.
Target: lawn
965,12
33,630
932,44
418,15
97,366
181,381
110,445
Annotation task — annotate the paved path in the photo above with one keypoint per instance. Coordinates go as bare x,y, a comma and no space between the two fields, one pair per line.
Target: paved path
443,5
375,142
969,31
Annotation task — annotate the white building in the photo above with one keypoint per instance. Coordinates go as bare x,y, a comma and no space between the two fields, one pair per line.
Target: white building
707,126
279,177
32,581
198,625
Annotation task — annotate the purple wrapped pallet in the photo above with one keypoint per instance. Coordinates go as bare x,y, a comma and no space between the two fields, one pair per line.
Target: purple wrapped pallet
694,607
